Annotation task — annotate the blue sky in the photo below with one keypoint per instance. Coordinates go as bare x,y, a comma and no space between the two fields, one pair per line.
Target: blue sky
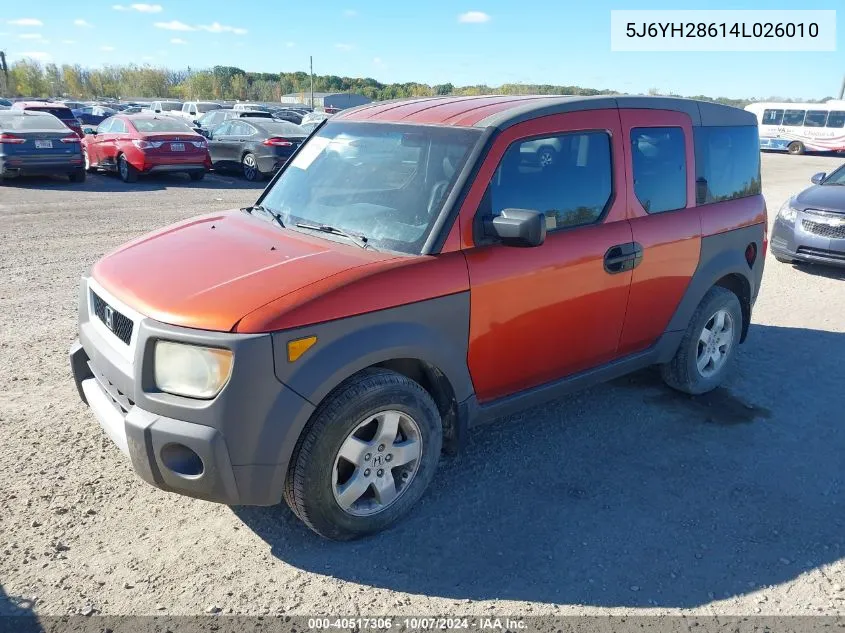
437,41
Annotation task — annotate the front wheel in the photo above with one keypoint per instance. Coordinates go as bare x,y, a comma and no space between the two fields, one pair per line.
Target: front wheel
795,148
366,456
87,161
708,346
196,175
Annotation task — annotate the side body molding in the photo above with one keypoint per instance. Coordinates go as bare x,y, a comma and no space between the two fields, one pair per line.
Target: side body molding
435,331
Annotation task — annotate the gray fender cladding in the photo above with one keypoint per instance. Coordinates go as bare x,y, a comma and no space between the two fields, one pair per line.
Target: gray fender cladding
722,254
435,331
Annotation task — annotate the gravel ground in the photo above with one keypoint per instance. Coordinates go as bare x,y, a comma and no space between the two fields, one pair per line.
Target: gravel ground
626,498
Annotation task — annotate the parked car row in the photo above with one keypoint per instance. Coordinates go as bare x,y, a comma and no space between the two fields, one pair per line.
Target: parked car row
251,142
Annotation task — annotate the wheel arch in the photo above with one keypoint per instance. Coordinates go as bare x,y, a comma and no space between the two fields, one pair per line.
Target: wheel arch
426,342
741,287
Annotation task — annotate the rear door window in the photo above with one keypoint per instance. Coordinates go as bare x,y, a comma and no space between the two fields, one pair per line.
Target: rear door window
658,156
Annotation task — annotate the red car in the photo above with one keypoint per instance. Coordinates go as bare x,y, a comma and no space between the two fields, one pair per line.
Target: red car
58,110
146,144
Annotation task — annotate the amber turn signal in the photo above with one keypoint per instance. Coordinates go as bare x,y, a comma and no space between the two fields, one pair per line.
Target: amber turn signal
298,347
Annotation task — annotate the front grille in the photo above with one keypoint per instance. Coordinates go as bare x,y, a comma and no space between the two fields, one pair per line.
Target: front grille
821,252
824,230
120,324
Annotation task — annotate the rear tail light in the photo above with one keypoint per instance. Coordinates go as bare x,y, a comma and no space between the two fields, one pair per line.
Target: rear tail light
11,139
142,144
278,142
199,144
71,138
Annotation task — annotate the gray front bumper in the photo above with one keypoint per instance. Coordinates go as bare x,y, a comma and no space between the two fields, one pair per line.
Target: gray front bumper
792,241
244,437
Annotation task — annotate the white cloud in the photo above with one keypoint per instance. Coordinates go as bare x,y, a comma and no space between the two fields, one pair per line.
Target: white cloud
350,13
378,61
142,8
473,17
40,56
174,25
290,44
107,49
344,47
69,42
82,23
25,22
178,40
31,36
216,27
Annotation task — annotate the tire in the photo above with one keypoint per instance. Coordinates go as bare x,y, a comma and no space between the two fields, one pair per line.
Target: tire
87,162
795,148
318,473
126,171
546,156
196,175
77,176
249,168
684,372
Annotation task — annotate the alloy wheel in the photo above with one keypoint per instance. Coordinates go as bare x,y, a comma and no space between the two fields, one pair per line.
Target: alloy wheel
250,168
714,343
376,463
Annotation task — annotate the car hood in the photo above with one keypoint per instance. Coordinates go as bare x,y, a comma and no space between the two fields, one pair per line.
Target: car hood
824,197
211,271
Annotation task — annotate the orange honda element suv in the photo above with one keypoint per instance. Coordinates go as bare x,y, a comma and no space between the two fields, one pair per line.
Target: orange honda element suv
418,268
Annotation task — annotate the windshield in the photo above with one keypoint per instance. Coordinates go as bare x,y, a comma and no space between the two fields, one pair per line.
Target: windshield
169,106
30,122
387,182
207,107
161,125
836,178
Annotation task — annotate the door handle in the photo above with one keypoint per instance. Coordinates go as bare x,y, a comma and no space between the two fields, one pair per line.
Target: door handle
623,257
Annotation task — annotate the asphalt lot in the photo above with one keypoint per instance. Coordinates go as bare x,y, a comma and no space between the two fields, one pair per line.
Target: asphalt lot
626,498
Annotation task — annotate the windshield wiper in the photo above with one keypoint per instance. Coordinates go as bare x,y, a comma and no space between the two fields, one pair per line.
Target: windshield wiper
360,240
274,214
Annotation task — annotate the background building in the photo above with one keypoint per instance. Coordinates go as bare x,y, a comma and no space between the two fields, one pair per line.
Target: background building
326,99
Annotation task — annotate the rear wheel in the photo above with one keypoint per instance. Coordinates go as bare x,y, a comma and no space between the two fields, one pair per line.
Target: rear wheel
77,176
708,346
250,168
196,175
795,148
127,172
366,456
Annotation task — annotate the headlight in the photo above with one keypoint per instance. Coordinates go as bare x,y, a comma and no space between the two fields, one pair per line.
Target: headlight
190,370
787,212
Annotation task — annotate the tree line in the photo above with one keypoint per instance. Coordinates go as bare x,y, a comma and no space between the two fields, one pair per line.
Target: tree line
29,78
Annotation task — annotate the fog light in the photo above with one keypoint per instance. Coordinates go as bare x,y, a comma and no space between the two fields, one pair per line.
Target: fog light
182,460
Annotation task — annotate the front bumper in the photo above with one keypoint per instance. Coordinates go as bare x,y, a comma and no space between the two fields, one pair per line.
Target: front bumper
233,449
821,245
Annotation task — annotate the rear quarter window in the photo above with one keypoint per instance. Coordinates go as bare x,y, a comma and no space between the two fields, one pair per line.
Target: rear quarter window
727,163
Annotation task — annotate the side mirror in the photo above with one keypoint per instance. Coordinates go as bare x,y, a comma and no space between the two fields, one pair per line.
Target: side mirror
517,227
818,178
